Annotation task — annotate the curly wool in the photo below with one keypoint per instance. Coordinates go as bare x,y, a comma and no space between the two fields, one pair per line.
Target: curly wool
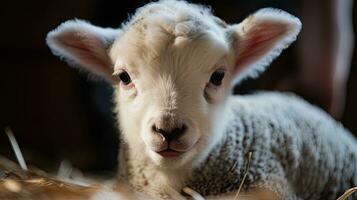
298,150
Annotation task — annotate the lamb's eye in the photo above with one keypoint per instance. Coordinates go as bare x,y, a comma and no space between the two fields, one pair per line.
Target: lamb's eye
217,77
124,78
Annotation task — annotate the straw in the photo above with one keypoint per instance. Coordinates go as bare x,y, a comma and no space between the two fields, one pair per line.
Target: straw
195,195
244,176
16,148
348,193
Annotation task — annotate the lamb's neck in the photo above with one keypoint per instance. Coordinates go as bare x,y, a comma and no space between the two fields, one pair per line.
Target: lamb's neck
144,176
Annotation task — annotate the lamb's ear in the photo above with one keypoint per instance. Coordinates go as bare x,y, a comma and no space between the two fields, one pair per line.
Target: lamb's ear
85,45
260,38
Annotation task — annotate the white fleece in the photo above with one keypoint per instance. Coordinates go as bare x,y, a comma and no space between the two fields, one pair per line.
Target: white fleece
299,151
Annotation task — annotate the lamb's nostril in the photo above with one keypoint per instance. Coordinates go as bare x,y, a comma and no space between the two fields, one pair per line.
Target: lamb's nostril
158,130
170,134
177,132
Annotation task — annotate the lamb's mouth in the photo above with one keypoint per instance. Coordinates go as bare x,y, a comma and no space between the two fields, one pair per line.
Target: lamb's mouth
170,153
172,149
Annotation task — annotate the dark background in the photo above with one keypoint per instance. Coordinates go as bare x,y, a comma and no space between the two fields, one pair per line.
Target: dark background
57,114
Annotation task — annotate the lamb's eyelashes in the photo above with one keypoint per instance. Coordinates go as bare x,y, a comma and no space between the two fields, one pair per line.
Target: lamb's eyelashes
215,84
216,78
125,80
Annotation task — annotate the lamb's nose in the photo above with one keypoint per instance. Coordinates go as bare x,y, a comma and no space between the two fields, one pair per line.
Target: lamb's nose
170,134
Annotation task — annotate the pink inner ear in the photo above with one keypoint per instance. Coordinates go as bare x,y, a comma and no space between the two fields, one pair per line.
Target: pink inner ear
257,42
89,52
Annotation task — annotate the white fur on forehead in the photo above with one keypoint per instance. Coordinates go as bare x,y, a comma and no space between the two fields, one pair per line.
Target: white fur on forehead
293,26
179,11
158,25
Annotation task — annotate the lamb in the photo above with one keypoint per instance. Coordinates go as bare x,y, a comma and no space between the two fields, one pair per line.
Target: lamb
172,67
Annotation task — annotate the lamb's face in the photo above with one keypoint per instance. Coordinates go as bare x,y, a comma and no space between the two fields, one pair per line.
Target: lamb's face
172,67
171,96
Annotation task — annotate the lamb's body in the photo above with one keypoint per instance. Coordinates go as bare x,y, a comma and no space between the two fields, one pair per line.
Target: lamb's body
289,139
297,150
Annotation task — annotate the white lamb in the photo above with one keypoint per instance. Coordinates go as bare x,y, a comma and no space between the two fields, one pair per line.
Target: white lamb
172,66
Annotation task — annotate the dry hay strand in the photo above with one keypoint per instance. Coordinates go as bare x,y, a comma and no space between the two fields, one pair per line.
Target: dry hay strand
244,176
16,148
348,193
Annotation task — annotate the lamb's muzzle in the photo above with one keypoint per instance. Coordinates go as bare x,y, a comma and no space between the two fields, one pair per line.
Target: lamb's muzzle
167,136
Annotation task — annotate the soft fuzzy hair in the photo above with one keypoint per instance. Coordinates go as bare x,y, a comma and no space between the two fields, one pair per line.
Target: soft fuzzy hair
62,45
269,14
176,20
170,50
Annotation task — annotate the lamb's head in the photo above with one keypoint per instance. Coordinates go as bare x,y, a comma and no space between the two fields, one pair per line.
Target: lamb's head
172,67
